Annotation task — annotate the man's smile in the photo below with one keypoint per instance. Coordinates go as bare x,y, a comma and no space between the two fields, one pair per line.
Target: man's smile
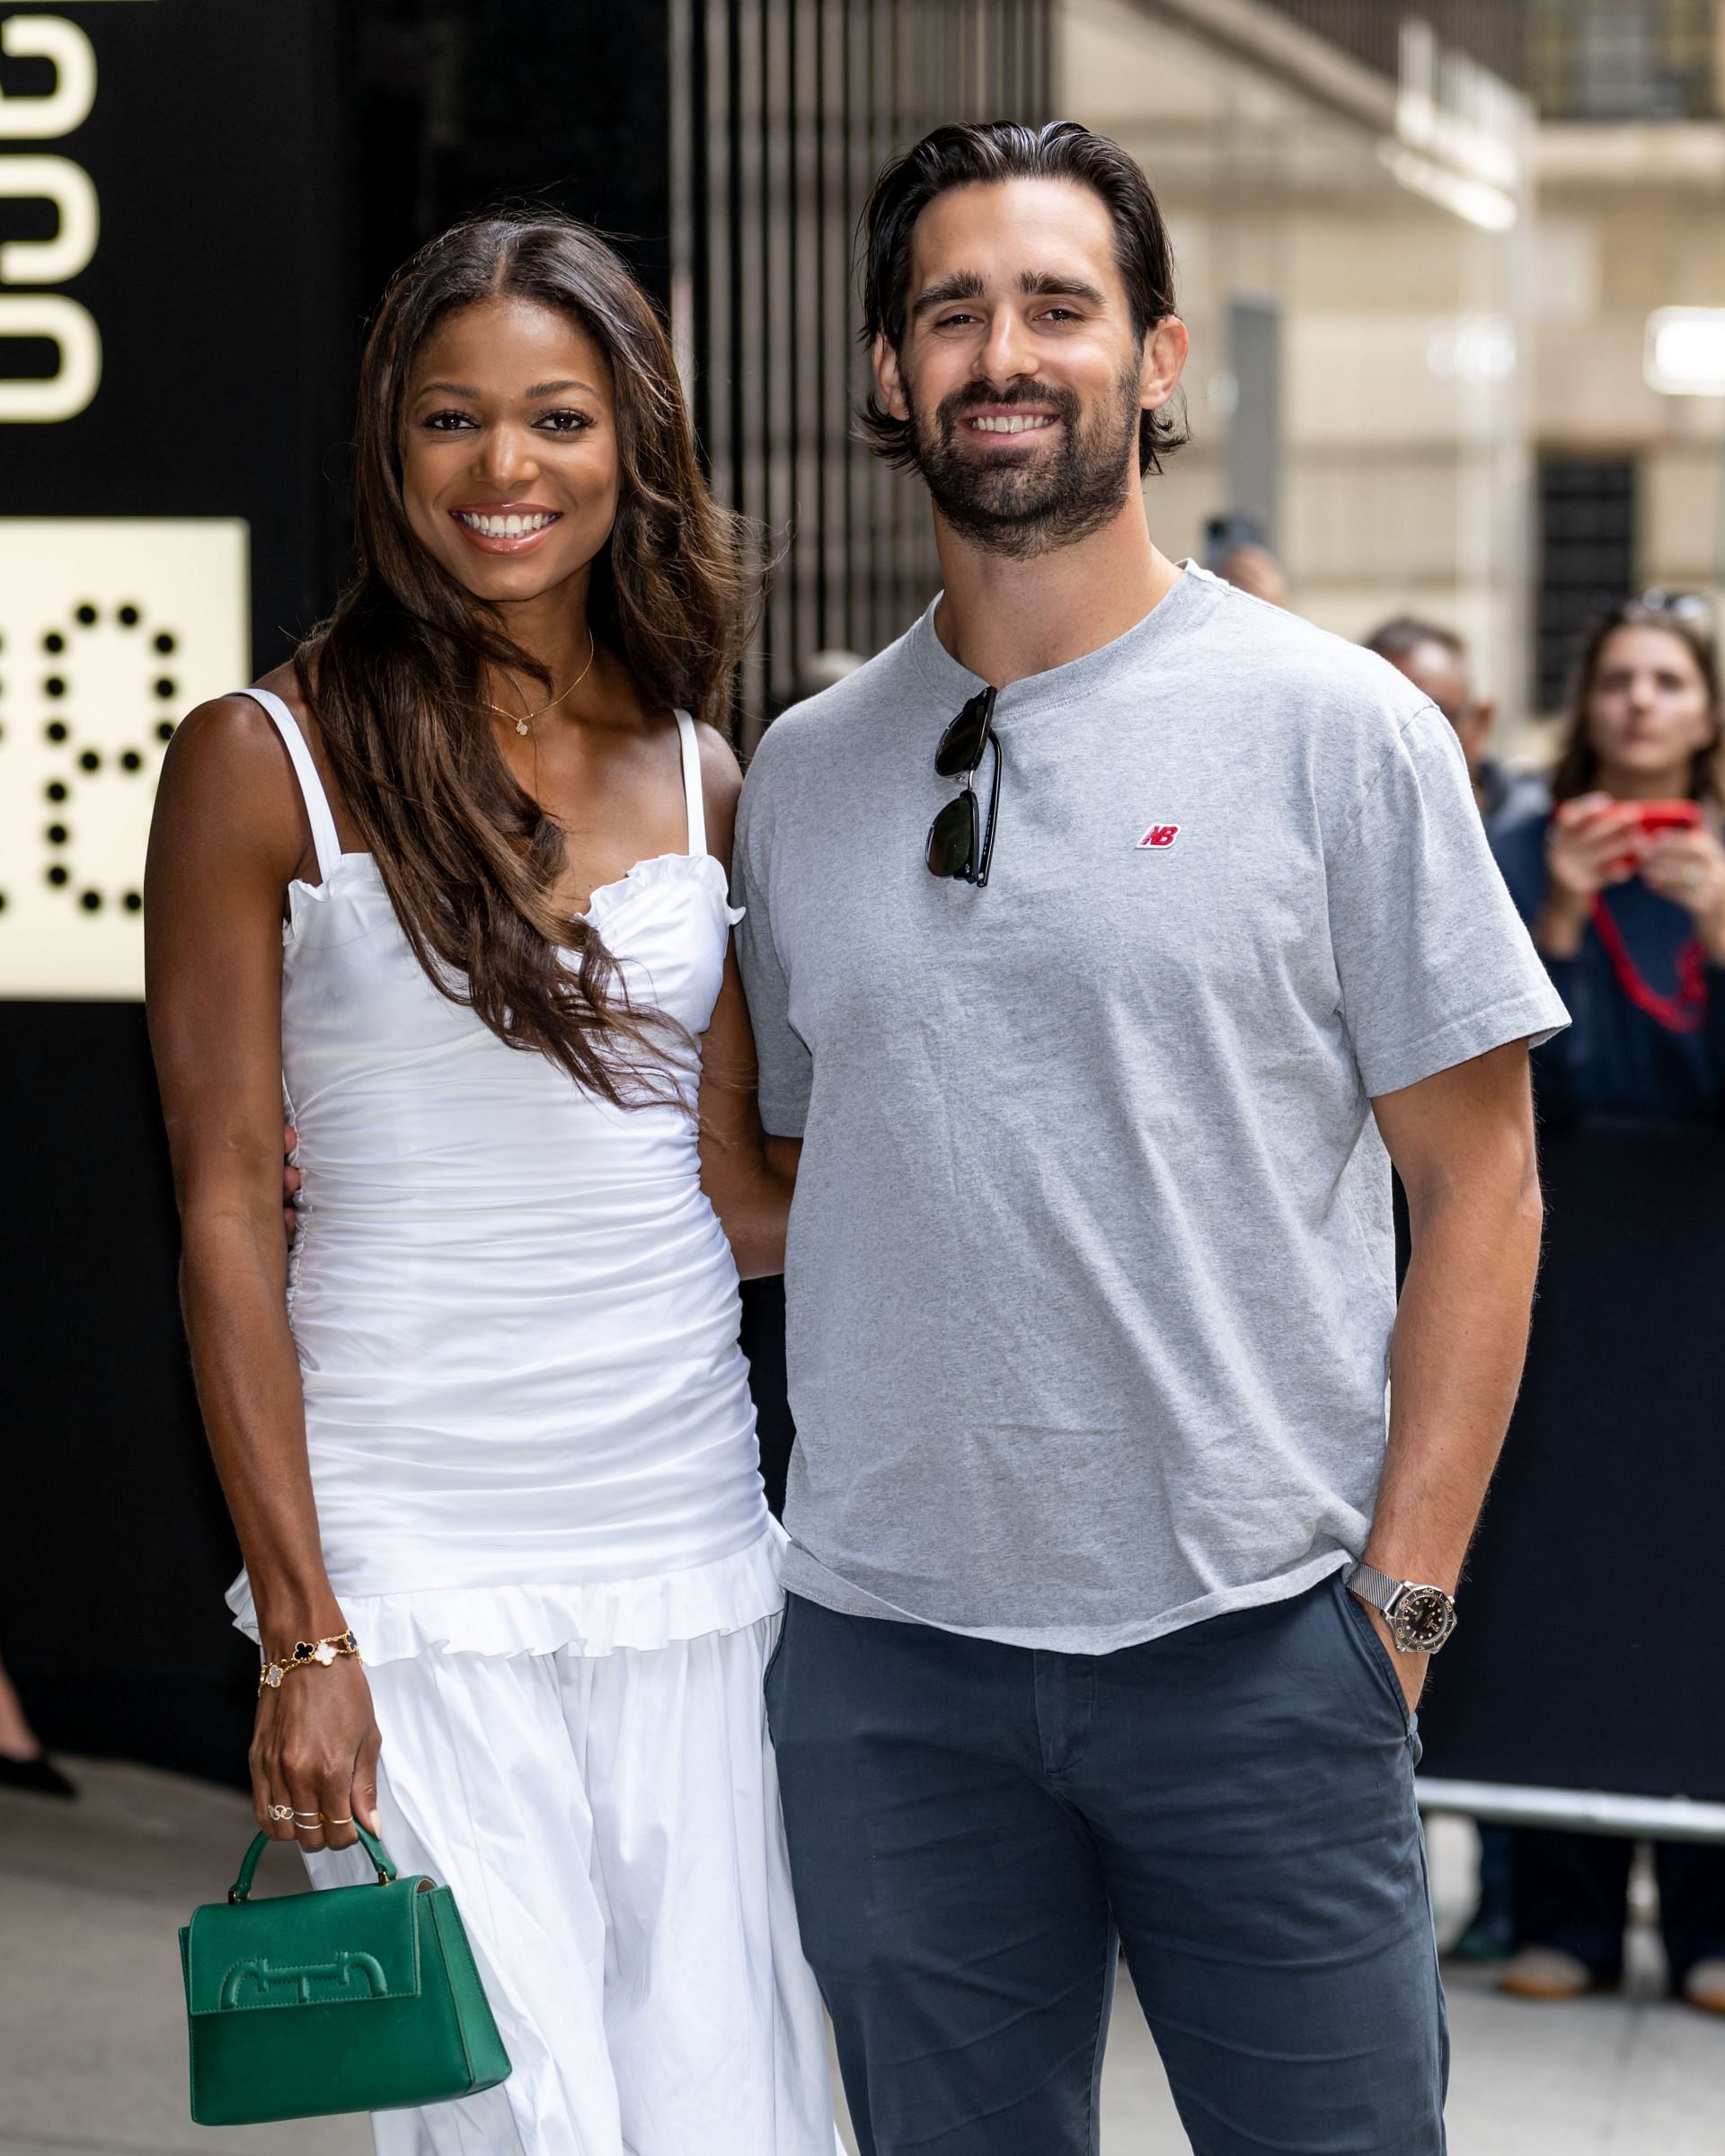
1011,422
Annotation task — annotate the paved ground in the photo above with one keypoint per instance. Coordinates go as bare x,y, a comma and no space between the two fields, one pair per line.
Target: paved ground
92,2042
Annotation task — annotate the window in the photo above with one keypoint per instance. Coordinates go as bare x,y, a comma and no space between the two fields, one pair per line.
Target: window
1586,559
1494,32
1624,60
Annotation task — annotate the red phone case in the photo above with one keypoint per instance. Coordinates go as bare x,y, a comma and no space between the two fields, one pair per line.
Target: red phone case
1653,819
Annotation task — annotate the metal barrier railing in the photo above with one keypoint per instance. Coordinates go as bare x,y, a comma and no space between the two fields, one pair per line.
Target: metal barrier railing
1589,1811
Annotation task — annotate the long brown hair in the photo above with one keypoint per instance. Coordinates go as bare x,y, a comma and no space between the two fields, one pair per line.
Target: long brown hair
1578,762
470,860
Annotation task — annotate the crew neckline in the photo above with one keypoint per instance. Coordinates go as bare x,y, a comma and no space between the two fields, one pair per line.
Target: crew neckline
1187,602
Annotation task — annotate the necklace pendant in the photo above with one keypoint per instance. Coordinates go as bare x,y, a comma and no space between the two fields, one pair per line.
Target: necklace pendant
520,726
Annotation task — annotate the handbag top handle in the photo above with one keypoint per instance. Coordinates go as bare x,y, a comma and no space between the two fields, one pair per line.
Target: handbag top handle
242,1887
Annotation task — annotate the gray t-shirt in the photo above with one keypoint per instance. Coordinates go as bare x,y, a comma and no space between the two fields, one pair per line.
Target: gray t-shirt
1090,1273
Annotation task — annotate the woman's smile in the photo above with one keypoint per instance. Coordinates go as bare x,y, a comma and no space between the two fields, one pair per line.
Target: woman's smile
510,453
514,527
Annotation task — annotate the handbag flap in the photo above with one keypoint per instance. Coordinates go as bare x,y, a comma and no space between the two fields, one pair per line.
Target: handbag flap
340,1945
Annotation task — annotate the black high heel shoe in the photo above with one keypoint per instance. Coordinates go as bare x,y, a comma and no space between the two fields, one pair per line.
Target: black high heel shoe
38,1777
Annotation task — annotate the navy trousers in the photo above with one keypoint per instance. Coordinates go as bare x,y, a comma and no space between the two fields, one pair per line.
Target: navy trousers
975,1829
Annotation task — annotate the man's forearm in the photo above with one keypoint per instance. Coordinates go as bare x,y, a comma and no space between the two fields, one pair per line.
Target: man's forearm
1461,1334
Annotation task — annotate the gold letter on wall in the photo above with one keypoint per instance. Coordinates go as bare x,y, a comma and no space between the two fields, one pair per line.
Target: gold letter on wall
67,105
66,185
64,393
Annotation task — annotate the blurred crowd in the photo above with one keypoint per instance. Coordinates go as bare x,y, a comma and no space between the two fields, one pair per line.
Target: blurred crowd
1615,860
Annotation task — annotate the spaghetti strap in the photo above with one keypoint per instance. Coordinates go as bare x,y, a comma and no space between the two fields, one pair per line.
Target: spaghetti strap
692,784
311,787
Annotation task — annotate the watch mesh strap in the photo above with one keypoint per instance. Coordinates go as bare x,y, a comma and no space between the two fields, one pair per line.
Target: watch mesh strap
1374,1587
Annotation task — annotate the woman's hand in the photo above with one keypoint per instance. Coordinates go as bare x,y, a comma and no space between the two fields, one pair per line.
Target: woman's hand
1688,867
290,1180
748,1178
1591,845
316,1749
1587,847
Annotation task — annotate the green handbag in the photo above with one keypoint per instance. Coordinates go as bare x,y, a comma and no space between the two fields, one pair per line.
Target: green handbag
350,1999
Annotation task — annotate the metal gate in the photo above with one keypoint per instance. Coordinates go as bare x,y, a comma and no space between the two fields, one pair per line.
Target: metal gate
783,112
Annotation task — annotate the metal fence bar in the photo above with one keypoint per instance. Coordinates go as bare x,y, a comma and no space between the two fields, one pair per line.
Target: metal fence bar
794,105
1589,1811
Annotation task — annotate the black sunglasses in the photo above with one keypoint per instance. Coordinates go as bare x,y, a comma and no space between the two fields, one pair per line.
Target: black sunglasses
959,846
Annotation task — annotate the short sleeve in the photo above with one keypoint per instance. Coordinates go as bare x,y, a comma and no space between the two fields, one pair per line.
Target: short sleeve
787,1068
1435,964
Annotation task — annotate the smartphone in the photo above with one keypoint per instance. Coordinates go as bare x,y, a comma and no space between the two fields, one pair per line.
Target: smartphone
1654,820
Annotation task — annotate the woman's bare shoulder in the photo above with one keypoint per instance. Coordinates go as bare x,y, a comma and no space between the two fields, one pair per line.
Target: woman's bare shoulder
227,768
721,781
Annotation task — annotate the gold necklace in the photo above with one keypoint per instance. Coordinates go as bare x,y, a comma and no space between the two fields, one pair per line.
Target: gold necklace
523,724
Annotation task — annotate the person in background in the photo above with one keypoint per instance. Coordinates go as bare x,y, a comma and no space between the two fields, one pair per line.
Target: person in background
1255,571
24,1763
1237,549
1632,928
1436,661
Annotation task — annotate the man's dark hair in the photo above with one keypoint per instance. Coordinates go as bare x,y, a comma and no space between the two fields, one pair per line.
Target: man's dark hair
986,153
1407,632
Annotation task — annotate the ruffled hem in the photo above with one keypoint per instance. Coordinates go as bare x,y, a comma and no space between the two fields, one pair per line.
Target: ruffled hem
704,870
587,1618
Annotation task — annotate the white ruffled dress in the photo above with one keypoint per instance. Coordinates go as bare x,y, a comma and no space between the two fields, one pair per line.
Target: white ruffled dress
532,1450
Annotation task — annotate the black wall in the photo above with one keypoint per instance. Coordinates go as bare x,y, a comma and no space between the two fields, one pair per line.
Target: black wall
223,289
260,172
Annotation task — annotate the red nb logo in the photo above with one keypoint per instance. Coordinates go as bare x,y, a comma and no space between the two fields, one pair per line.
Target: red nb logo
1160,834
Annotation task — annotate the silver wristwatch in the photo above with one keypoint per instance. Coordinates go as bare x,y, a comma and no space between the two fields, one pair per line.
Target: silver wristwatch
1421,1618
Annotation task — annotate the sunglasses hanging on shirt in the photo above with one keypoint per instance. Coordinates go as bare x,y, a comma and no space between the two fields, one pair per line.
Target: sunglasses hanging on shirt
960,846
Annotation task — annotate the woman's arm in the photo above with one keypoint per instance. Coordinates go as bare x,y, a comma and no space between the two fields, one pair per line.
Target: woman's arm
1688,868
229,832
1587,848
748,1177
1558,908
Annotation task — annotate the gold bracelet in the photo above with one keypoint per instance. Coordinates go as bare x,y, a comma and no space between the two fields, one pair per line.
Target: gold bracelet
306,1653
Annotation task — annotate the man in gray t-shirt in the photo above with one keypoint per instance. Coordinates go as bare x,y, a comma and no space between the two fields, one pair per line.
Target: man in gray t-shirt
1091,1268
1089,1280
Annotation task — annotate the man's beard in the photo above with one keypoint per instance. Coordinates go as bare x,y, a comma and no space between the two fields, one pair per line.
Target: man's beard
1030,506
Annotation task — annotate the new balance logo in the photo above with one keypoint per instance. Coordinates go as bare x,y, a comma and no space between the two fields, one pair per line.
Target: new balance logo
1160,834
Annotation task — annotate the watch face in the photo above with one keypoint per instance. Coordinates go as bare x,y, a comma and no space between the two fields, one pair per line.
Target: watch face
1423,1619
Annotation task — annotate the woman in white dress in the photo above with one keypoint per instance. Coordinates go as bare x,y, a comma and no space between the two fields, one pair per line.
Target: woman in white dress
455,880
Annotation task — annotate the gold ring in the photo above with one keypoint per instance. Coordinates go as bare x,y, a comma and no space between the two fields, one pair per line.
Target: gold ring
279,1811
329,1822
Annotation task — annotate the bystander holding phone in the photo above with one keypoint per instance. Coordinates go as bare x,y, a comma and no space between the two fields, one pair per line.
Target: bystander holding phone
1623,887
